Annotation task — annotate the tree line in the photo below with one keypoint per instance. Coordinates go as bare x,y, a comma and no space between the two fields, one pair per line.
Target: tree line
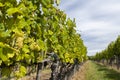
111,54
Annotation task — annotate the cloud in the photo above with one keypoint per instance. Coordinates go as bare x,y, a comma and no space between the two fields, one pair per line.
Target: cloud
97,20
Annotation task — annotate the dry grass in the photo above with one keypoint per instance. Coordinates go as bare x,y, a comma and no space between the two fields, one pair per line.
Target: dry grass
81,74
45,75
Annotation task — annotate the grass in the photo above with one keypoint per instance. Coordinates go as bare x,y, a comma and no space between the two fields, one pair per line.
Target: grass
99,72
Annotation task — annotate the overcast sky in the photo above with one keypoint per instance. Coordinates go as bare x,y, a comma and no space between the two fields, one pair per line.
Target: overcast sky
98,21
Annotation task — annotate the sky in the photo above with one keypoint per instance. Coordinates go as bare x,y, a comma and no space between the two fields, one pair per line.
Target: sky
98,21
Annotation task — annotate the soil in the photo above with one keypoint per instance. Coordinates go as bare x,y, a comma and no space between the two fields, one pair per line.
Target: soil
80,74
45,75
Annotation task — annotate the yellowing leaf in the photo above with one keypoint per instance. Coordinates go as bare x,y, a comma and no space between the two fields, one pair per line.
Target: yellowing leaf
71,61
50,32
19,42
57,2
10,55
23,70
67,55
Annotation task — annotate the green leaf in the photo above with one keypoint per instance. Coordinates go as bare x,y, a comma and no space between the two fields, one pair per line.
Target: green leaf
0,62
10,55
18,58
5,34
2,28
1,45
61,56
27,58
41,44
1,5
75,49
25,49
56,18
66,55
71,61
22,23
53,39
46,2
6,71
2,56
23,70
22,7
45,10
50,32
18,32
35,46
11,11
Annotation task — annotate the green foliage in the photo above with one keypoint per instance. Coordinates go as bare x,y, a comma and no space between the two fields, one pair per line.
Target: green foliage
111,51
31,28
21,72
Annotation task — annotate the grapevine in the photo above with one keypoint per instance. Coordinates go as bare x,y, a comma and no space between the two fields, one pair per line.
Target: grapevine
30,30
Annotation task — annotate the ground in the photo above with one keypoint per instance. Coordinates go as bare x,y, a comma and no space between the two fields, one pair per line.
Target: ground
94,71
88,71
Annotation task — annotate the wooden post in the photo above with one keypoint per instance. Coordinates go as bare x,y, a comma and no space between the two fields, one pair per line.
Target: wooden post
39,68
